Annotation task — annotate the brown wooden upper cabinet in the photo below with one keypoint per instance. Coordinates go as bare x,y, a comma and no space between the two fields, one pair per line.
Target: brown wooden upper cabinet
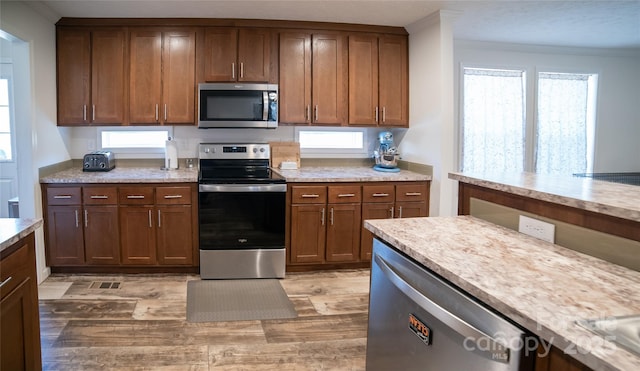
162,76
378,80
90,72
313,78
237,54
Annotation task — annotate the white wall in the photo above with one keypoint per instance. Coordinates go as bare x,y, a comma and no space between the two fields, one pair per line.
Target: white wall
431,133
617,137
40,142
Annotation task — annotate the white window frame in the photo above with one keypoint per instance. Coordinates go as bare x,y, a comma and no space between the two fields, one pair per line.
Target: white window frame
133,150
334,152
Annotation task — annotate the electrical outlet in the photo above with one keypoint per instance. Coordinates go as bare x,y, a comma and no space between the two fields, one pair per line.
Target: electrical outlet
537,228
91,145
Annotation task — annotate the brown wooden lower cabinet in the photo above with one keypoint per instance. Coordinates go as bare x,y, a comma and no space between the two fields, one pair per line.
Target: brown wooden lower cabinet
19,319
326,220
557,360
133,225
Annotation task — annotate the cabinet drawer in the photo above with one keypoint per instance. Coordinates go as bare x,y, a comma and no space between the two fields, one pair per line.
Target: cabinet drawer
173,195
308,195
378,193
135,195
64,196
411,192
345,194
100,195
16,267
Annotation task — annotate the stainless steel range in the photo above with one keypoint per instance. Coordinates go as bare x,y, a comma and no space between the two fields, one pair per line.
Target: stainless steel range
241,213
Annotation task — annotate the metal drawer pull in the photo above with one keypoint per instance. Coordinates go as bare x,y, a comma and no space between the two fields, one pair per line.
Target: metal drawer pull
99,197
392,212
346,195
380,195
172,196
413,194
135,196
6,281
62,197
400,212
310,196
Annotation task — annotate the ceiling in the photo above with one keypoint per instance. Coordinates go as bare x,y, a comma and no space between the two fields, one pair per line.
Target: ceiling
577,23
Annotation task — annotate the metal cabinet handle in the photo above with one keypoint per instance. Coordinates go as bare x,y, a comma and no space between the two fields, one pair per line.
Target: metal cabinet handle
99,197
93,113
241,70
316,113
384,114
392,212
84,112
159,220
233,70
150,221
76,211
376,114
307,114
400,212
172,196
156,111
165,112
457,324
413,194
86,218
322,216
380,194
6,281
310,196
346,195
331,215
62,197
135,196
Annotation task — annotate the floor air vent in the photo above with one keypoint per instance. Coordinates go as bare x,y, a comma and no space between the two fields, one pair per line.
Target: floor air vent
105,285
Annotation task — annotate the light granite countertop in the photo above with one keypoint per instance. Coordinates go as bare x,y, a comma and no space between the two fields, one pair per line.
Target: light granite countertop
12,230
124,175
543,287
614,199
348,174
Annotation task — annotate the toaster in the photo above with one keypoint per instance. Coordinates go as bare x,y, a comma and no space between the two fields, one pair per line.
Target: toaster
98,161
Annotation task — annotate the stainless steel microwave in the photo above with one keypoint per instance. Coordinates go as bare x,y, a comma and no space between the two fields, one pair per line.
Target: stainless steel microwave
237,105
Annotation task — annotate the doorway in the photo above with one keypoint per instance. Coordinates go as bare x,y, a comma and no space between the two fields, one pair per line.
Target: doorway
9,201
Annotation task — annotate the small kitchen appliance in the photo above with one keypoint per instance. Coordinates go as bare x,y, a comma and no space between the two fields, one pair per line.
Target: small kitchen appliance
98,161
386,155
237,105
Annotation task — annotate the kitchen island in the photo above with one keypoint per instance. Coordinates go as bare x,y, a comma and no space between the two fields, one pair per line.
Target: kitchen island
542,287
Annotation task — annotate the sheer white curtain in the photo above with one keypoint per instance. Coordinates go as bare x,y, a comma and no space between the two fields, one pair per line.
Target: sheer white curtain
493,124
562,123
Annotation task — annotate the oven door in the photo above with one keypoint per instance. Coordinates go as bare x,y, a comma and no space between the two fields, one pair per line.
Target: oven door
242,231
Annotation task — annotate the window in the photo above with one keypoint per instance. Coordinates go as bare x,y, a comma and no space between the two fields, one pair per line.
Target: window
496,132
565,123
493,123
332,141
134,140
6,150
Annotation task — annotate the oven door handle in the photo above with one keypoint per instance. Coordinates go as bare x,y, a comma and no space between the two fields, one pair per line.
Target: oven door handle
239,188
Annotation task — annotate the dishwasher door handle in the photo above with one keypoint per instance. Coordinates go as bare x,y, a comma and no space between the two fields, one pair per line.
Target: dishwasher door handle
495,351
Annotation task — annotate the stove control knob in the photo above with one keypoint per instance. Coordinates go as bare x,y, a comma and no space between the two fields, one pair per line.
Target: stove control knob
255,150
206,150
262,149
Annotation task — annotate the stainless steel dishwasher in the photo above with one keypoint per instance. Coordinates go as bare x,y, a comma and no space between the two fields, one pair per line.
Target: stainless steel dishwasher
417,321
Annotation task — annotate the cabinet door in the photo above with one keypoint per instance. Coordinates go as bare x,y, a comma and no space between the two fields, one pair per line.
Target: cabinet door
179,77
137,235
363,80
64,236
329,79
372,211
394,81
295,78
175,236
74,76
254,55
20,335
107,76
410,209
220,54
308,228
343,232
101,235
145,78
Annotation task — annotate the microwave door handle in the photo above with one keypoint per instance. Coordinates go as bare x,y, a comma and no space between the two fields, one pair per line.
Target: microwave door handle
265,105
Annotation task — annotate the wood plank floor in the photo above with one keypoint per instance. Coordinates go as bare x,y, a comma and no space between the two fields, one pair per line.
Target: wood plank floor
141,325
